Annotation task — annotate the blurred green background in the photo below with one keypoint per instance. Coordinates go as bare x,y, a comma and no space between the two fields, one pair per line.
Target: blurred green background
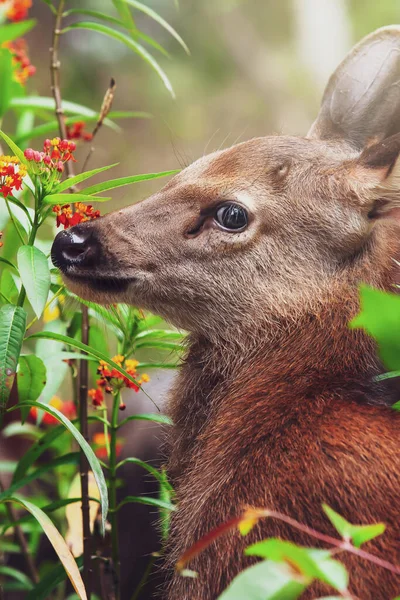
256,68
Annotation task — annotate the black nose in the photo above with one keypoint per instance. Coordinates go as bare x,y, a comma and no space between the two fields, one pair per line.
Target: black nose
76,247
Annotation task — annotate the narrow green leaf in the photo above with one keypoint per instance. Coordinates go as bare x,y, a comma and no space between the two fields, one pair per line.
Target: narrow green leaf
15,149
43,590
340,524
58,543
68,183
17,575
92,460
358,534
166,494
156,418
115,183
265,581
126,15
8,263
96,14
6,79
156,17
130,42
146,500
40,131
36,450
12,31
141,463
35,276
12,330
68,198
31,379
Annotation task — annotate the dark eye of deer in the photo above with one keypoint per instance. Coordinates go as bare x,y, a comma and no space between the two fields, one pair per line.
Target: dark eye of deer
231,217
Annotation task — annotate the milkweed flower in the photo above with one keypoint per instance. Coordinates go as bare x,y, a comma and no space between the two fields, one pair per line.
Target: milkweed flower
66,407
67,217
23,69
12,173
17,10
51,160
76,131
111,380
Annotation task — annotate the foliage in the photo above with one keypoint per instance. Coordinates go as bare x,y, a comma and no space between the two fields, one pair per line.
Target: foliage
44,347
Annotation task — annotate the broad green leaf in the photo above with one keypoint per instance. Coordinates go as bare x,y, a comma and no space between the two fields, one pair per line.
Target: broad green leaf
312,564
43,590
380,317
58,543
57,369
6,78
156,418
68,198
12,331
40,131
68,183
148,501
15,149
128,41
47,103
26,583
152,13
12,31
31,379
92,460
115,183
358,534
36,450
35,276
265,581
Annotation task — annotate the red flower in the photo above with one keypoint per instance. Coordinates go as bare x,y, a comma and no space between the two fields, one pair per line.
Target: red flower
22,66
67,408
18,9
82,213
77,132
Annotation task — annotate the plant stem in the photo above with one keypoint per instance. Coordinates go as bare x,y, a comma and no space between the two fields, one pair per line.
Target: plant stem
113,491
55,75
21,539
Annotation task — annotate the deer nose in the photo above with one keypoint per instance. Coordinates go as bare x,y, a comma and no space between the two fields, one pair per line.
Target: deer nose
76,247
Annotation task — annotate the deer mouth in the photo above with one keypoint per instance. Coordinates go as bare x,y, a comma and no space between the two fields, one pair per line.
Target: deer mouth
100,284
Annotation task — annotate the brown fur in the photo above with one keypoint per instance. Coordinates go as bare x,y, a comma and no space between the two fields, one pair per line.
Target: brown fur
276,404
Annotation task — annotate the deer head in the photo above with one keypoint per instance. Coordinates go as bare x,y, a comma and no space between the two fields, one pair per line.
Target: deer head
267,228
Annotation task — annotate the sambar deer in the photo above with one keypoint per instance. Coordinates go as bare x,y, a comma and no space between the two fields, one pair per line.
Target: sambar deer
258,252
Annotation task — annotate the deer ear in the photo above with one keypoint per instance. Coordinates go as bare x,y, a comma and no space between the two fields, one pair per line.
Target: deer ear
361,103
376,175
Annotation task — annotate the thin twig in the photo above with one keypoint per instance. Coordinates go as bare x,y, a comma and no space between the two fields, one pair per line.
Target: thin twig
83,367
12,516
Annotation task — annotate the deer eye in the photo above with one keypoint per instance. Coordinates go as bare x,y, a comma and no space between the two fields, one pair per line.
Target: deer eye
231,217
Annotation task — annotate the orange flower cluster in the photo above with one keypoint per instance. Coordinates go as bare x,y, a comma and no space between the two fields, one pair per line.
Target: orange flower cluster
100,447
56,153
1,243
67,408
23,67
77,132
11,175
67,217
111,379
17,10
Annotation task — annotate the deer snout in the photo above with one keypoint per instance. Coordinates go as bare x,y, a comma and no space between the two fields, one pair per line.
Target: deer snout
76,247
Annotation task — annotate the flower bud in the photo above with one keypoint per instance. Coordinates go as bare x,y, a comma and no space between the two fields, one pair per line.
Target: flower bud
29,153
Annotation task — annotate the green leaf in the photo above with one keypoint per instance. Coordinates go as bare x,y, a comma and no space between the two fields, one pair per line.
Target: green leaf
36,450
358,534
128,41
141,463
68,183
8,263
12,31
313,564
151,13
47,103
156,418
17,575
126,15
58,543
35,276
31,379
92,460
40,131
166,495
48,583
6,79
115,183
12,330
15,149
94,13
68,198
148,501
77,344
380,317
265,581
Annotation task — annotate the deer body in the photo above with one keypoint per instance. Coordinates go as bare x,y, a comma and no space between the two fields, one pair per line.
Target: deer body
258,251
